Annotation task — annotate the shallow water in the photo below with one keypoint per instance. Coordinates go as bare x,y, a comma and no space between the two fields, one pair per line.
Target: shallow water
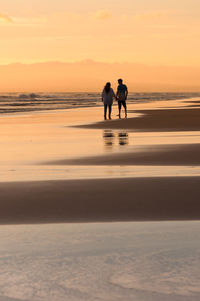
141,261
16,102
70,172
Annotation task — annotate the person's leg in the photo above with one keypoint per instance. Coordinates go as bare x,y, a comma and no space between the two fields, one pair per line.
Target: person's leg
105,111
119,107
110,110
125,108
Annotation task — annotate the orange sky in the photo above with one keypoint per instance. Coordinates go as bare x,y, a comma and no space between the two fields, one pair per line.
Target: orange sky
91,76
149,32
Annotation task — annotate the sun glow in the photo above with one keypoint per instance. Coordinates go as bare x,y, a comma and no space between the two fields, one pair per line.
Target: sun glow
145,32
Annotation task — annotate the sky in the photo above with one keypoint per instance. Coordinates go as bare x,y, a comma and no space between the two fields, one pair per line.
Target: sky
150,32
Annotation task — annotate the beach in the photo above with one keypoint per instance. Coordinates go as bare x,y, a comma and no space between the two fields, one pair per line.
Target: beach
99,150
145,167
114,204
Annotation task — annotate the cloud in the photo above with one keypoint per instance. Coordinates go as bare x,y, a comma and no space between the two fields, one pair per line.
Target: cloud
102,15
149,16
30,21
5,18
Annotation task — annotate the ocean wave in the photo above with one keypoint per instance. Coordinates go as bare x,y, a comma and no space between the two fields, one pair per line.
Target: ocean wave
15,102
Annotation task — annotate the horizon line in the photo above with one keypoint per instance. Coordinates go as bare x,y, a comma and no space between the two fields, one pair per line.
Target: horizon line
97,92
98,62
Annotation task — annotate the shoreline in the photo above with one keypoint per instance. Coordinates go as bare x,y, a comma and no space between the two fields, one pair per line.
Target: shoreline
159,120
12,103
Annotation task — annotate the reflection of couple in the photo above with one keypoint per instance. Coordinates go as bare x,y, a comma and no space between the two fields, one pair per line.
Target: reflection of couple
109,137
121,96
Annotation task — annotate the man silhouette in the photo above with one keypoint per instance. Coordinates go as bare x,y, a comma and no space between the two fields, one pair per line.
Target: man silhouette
122,93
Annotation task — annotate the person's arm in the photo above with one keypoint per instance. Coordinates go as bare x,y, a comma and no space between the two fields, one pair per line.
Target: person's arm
117,94
126,93
113,94
102,95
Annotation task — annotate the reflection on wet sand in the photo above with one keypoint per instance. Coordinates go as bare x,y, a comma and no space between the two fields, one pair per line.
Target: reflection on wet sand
123,138
112,138
108,138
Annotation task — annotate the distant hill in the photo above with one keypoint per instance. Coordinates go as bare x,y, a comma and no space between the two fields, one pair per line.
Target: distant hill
91,76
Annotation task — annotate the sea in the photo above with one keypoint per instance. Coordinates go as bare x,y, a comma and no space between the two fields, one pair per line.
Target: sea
27,102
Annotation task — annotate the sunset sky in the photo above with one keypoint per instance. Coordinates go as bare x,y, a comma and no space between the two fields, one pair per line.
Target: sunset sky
145,31
150,32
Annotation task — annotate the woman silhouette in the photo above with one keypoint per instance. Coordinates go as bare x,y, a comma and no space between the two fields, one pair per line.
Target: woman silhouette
107,98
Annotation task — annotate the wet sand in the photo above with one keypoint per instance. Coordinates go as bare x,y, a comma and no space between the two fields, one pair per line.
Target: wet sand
107,261
162,155
169,120
46,136
155,120
100,200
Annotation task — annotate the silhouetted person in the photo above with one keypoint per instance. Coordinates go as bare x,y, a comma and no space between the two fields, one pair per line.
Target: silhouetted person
107,98
122,93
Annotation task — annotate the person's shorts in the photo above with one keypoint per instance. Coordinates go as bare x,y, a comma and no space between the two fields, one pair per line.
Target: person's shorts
121,103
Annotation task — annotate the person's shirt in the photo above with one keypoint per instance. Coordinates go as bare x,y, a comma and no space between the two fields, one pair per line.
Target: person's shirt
122,92
108,97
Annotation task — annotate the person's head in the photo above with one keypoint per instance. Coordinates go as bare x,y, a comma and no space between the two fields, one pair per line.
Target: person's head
107,87
120,81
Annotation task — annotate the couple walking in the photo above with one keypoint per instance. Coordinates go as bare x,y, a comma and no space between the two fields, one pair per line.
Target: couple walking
121,96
